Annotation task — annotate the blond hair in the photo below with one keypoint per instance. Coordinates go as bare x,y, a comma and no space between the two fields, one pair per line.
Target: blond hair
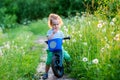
54,17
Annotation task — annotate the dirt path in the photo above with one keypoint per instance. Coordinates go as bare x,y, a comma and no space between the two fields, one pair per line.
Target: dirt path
41,66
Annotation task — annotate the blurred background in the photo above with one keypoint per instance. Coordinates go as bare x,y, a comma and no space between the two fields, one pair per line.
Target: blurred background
19,11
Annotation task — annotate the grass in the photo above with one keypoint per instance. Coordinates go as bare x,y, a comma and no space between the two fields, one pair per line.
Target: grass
20,54
94,48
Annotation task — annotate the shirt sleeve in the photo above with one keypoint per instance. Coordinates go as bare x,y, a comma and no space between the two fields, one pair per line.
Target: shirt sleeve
49,33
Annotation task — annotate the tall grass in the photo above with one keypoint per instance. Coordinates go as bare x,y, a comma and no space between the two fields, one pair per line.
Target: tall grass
94,47
19,54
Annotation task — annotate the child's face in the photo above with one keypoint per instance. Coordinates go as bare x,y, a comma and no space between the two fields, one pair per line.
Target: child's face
55,24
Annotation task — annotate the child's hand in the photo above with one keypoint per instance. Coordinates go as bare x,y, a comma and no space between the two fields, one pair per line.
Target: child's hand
55,31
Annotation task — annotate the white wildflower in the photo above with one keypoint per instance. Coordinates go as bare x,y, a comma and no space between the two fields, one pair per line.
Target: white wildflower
84,59
114,19
95,61
117,37
99,25
112,23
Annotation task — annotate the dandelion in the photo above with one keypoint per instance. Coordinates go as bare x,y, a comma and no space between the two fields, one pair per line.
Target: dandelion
95,61
114,19
84,59
112,23
99,25
117,37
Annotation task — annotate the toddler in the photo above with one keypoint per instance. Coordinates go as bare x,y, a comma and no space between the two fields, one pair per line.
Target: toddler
54,22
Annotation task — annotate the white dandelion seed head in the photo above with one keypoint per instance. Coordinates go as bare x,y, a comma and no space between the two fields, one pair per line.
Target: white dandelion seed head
95,61
84,59
99,25
114,19
117,37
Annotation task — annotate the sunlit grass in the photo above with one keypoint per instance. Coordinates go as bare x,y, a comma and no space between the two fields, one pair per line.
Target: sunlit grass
19,54
94,47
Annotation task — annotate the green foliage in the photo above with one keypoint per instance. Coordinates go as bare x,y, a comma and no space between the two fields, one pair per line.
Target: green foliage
6,20
108,8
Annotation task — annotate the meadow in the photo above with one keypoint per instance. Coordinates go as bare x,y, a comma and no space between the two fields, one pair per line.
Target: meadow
94,48
19,52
